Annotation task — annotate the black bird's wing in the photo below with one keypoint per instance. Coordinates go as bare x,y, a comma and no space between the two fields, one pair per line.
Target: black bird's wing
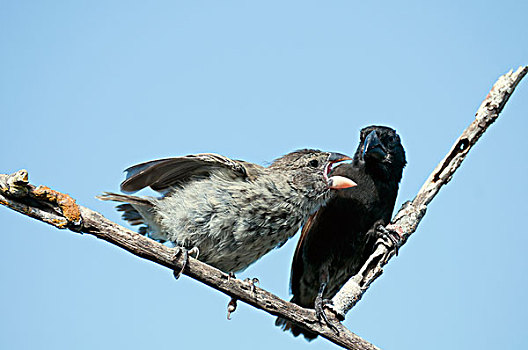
297,269
303,275
162,174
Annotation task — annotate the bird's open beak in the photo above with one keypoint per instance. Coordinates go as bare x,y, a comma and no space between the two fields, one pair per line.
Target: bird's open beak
340,182
373,147
337,182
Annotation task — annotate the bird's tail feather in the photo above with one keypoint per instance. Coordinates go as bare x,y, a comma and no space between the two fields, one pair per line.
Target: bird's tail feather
130,214
137,211
116,197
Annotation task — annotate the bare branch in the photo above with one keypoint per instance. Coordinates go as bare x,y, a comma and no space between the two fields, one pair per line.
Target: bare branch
61,211
409,216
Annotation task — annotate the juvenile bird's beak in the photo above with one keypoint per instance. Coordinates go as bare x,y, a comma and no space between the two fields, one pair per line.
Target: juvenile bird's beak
373,147
338,182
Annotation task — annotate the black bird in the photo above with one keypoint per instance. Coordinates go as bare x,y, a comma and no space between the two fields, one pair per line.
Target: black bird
338,239
234,212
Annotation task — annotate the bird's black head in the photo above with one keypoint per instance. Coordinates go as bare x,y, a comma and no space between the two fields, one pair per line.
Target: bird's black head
309,169
381,151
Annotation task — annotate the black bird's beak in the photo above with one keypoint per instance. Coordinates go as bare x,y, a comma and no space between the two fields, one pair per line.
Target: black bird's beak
373,147
337,182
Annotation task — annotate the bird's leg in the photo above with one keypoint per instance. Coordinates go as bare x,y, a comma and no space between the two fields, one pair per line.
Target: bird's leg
321,303
181,250
319,307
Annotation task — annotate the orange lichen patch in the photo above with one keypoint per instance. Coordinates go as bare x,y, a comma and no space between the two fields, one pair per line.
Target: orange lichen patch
59,223
67,204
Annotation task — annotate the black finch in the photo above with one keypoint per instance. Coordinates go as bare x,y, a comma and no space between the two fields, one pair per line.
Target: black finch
234,212
337,240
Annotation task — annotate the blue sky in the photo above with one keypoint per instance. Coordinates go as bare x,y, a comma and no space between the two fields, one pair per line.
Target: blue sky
89,88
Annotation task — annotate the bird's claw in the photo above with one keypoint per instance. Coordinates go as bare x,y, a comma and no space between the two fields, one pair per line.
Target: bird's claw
390,235
252,282
194,251
181,250
230,275
231,307
320,313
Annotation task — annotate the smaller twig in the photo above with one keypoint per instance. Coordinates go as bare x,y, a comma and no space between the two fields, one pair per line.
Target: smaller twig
409,216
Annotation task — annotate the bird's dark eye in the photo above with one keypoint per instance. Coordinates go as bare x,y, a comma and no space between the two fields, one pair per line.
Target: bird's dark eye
314,163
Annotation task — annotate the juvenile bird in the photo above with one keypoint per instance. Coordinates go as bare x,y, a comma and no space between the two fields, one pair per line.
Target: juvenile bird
337,240
234,212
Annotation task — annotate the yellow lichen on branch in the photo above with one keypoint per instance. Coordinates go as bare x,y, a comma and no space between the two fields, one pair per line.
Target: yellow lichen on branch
67,204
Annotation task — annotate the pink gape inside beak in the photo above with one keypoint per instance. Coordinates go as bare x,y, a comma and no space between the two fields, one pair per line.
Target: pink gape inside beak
337,182
340,182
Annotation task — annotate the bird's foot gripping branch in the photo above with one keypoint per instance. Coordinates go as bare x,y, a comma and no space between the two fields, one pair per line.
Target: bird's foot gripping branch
406,221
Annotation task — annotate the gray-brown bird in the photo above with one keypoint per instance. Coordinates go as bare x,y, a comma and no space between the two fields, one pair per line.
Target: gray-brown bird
337,240
233,211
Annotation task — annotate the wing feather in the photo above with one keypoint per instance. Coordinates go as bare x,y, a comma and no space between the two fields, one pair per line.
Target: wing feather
163,174
297,269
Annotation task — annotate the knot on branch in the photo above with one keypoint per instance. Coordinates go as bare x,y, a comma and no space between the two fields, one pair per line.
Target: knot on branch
460,147
16,184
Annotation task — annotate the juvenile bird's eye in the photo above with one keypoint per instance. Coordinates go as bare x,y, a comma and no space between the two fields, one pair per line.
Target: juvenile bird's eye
314,163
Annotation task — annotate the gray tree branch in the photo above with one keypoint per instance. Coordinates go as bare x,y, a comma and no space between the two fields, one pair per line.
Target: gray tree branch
61,211
406,221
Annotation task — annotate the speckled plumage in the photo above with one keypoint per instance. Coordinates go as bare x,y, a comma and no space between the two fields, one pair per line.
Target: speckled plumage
233,211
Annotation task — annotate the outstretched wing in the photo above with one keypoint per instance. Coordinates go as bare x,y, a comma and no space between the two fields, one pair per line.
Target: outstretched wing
163,174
